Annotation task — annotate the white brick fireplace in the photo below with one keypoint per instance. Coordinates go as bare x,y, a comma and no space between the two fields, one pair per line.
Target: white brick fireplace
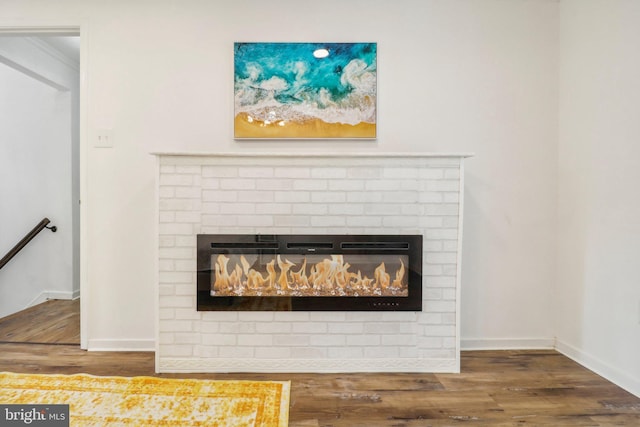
352,193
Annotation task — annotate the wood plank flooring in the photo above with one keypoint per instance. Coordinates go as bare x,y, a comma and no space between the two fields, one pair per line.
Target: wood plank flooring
495,388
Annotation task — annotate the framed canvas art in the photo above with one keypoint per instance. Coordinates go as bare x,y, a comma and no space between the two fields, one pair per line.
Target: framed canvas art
305,90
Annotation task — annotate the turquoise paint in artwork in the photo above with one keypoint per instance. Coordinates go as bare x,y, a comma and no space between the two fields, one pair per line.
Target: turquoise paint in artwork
286,81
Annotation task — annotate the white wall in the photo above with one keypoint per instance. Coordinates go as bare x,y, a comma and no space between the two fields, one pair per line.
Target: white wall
598,311
35,182
461,75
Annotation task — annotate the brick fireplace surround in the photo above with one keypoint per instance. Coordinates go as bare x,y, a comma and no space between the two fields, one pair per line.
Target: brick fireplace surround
352,193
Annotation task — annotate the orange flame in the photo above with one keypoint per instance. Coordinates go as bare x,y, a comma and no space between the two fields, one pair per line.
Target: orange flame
329,277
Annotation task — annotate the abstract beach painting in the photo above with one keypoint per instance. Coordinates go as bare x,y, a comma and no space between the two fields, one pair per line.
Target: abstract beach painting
305,90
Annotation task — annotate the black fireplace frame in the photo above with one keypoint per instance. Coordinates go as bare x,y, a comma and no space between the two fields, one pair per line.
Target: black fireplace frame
283,244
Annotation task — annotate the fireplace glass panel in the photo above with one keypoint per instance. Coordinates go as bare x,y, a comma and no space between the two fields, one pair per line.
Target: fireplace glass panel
309,275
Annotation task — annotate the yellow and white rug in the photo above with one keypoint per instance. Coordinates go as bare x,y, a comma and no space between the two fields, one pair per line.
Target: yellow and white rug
149,401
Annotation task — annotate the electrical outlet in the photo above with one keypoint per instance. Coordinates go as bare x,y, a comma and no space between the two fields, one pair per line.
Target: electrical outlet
104,138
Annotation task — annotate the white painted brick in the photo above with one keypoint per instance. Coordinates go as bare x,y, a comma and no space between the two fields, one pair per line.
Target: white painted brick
363,340
255,316
273,208
292,172
291,221
255,221
167,216
400,173
236,352
442,281
274,184
310,185
166,241
273,353
255,172
186,241
219,220
388,328
442,209
187,314
220,316
327,340
175,277
381,185
333,173
292,196
310,209
210,328
400,197
176,180
430,221
256,196
328,221
380,352
166,313
210,183
430,342
408,353
219,196
399,340
175,228
291,316
219,171
176,253
441,185
440,306
347,185
273,327
167,169
440,330
188,217
177,301
205,352
166,265
291,340
178,205
382,209
364,221
346,353
364,173
309,352
237,184
188,192
346,209
430,197
166,290
328,197
309,328
176,351
187,338
237,327
237,208
219,339
166,338
430,173
451,173
345,328
323,316
364,197
185,265
166,192
429,318
255,340
399,221
441,258
176,326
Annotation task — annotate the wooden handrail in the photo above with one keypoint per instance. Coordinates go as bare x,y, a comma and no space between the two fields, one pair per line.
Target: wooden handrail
26,239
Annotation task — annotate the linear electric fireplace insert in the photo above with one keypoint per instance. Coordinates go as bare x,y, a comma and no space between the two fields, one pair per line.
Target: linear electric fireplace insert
309,272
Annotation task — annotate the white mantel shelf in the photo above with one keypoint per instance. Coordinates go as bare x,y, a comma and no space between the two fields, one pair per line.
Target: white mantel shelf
314,154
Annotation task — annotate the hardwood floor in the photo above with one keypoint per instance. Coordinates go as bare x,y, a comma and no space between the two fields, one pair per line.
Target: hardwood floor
495,388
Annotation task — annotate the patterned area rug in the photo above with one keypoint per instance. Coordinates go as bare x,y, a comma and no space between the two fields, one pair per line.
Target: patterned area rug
148,401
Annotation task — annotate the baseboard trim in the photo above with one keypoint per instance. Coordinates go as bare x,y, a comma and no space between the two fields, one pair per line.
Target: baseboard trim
121,345
47,295
508,344
601,368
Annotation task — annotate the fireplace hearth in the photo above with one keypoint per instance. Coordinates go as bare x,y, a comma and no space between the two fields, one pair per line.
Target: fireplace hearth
257,272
